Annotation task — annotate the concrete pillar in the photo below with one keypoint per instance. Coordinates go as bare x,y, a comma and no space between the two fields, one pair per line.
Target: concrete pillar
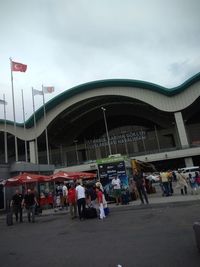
64,155
98,152
32,151
181,129
135,147
188,162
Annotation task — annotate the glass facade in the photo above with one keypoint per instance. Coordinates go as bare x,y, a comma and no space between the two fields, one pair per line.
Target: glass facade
129,141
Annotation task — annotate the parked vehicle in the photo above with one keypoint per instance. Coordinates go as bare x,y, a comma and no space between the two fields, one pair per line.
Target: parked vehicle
190,170
154,178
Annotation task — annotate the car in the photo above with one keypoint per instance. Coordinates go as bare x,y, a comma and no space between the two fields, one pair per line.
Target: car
154,178
190,170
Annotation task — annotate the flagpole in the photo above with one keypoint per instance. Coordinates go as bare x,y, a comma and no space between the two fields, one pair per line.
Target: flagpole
36,145
5,132
46,132
25,142
13,101
143,144
156,133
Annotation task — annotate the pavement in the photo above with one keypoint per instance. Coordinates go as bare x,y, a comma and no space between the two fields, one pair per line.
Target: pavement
156,235
134,235
155,200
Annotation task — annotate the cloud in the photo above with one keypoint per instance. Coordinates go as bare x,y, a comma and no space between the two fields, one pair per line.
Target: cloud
66,43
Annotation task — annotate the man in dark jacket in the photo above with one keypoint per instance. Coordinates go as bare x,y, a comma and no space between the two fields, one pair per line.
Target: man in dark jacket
140,184
16,204
30,203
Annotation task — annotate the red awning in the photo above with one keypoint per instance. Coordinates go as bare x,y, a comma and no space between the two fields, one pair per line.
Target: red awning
64,176
85,175
26,178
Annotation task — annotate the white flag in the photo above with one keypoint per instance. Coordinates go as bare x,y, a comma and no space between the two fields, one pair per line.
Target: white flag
37,92
48,89
3,102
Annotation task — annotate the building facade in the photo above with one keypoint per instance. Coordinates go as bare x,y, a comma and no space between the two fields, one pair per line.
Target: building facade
128,117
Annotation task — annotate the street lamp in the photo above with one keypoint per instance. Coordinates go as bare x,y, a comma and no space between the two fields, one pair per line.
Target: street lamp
75,142
106,126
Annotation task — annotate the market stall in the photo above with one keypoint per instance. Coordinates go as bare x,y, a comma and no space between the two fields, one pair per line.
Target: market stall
35,182
26,179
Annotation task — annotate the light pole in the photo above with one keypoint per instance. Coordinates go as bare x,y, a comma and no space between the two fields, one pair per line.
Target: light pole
106,126
75,142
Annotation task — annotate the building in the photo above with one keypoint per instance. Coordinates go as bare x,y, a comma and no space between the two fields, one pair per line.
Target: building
128,117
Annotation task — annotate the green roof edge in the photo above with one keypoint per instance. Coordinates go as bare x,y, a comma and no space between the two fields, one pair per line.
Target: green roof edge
107,83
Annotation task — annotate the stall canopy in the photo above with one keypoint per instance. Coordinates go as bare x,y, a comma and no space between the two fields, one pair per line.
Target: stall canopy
26,178
64,176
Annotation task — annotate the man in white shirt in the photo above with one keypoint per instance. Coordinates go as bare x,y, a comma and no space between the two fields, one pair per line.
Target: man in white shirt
80,195
64,196
116,183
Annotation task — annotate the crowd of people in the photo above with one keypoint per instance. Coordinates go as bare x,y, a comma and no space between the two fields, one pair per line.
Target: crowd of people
83,200
169,181
88,200
181,182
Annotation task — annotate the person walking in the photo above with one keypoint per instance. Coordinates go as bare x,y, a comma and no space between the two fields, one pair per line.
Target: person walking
193,184
16,205
140,184
181,183
80,196
165,183
30,202
71,199
64,196
170,180
116,183
100,203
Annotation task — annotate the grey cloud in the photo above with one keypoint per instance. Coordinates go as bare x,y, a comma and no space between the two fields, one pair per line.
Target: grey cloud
72,42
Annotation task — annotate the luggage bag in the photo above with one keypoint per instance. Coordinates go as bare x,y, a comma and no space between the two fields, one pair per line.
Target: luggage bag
9,218
106,211
38,210
125,198
90,213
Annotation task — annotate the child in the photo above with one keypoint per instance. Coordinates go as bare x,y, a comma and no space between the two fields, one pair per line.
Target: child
57,203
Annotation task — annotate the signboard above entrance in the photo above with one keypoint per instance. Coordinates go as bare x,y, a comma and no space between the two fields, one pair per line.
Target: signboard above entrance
117,139
111,159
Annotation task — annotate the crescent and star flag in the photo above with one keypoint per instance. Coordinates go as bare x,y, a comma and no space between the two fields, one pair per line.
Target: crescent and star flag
18,67
48,89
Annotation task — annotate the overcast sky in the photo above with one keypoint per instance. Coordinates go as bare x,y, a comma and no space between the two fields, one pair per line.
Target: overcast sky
69,42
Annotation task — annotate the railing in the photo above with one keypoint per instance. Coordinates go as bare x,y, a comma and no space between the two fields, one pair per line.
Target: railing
135,154
131,155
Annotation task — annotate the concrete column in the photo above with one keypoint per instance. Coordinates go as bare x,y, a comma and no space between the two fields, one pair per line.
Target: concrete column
32,151
181,129
98,152
64,154
135,147
188,162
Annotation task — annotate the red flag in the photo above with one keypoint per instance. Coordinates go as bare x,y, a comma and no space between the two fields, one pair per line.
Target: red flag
48,89
18,66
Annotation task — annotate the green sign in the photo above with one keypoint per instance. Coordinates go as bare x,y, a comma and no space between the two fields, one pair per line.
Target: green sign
110,159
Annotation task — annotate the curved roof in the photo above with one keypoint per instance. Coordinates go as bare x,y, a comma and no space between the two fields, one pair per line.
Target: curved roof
108,83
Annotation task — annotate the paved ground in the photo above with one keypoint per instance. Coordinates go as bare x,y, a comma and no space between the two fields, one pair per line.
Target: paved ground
133,236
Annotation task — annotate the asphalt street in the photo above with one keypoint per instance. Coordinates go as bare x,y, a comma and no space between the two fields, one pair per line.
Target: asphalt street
131,237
